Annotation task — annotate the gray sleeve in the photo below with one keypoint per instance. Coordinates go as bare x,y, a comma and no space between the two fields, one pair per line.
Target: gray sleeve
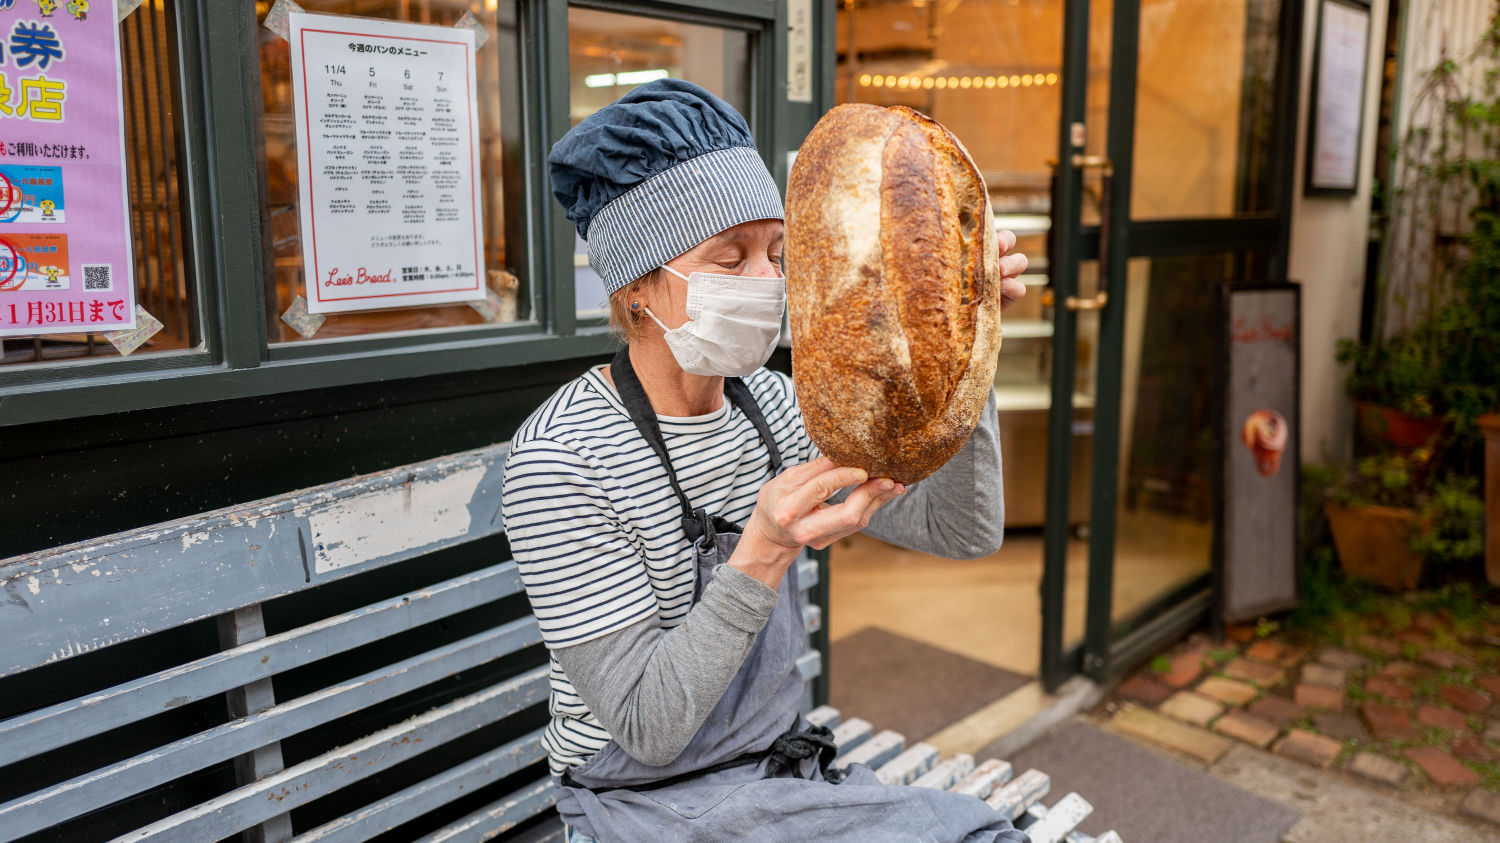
959,511
652,688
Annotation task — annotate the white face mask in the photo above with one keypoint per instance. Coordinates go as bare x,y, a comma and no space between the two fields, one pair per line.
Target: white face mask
733,323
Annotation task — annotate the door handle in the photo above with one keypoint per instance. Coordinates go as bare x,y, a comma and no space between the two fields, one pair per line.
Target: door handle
1106,170
1093,162
1106,196
1094,302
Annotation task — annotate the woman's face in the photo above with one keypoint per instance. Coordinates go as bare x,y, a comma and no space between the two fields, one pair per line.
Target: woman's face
752,249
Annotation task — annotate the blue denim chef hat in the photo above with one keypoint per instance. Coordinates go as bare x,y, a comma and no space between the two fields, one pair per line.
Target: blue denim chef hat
657,172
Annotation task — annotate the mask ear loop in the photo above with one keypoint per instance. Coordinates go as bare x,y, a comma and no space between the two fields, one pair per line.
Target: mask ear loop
664,328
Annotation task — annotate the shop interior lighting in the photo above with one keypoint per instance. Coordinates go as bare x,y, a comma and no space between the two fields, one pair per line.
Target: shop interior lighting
877,80
637,77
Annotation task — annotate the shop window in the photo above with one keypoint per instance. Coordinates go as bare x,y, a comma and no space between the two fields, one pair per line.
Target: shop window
498,181
1205,105
987,69
610,53
161,269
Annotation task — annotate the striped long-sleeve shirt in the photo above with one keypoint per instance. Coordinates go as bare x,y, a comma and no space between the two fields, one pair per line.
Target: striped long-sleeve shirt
596,529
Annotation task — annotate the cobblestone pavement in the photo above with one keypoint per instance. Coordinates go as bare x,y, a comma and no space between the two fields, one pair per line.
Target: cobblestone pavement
1405,704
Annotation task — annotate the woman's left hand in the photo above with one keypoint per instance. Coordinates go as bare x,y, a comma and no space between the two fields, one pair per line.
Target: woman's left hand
1011,267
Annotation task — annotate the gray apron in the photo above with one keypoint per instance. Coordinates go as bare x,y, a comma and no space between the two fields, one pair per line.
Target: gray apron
755,770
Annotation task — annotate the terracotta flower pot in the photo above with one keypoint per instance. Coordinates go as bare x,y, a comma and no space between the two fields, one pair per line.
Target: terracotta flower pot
1372,543
1395,428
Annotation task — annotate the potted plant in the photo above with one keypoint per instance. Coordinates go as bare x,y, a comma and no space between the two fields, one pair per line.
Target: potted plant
1450,526
1371,508
1389,525
1395,384
1428,368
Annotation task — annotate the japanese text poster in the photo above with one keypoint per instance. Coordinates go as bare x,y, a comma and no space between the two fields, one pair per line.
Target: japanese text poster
65,259
388,158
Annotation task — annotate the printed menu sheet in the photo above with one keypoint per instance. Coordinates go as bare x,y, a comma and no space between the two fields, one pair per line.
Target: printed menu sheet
65,250
388,162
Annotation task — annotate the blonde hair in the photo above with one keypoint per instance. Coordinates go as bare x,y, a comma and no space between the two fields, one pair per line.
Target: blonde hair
627,324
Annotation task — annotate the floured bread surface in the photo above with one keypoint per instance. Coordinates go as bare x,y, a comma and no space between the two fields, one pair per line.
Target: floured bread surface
892,288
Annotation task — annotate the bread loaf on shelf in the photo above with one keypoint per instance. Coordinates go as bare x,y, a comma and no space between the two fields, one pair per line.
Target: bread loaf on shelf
893,289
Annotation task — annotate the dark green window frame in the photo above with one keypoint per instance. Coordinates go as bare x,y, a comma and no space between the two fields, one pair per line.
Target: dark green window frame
220,91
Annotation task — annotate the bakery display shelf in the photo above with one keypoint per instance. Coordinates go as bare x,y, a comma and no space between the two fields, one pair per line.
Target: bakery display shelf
1014,398
1024,224
1025,329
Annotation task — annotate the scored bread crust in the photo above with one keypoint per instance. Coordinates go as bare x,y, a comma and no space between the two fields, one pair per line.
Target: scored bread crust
892,269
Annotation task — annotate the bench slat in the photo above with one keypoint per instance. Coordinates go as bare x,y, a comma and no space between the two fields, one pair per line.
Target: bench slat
810,664
101,787
314,778
38,731
425,796
61,602
807,571
500,816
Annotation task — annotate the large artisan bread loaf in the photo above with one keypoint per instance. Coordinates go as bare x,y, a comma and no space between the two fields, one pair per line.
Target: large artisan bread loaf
893,289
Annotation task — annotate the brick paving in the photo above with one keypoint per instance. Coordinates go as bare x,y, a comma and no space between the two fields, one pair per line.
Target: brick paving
1388,722
1470,748
1191,707
1465,699
1407,701
1441,767
1252,671
1144,689
1248,728
1482,805
1378,768
1228,690
1186,667
1379,646
1321,674
1319,696
1341,659
1309,747
1341,725
1441,718
1279,710
1389,688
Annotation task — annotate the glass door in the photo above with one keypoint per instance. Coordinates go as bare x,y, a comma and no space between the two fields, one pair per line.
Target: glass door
1171,182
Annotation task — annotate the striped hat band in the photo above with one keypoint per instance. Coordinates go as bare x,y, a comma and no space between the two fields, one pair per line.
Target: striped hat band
677,209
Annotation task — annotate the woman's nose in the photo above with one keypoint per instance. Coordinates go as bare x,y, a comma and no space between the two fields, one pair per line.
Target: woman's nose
763,268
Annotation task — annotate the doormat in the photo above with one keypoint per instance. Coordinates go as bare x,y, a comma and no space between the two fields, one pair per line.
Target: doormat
1147,796
907,686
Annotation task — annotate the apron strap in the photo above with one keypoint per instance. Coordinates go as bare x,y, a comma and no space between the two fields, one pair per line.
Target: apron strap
788,750
697,523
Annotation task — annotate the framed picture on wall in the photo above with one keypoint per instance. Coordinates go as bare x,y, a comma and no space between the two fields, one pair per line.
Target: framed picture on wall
1336,120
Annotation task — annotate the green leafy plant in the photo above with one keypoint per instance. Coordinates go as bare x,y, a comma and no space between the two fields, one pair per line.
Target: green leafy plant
1403,372
1381,480
1436,332
1452,520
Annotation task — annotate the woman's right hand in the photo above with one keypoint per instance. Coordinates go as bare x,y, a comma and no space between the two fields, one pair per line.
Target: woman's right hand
792,511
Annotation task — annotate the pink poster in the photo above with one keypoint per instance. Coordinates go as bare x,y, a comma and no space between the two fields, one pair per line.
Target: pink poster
65,262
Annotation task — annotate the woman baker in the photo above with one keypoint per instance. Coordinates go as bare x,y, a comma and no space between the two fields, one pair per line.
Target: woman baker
656,506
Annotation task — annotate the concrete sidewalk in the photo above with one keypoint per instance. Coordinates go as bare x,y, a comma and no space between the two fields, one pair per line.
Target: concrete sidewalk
1150,793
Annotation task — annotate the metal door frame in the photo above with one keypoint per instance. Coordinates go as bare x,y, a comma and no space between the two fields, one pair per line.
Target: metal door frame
1109,648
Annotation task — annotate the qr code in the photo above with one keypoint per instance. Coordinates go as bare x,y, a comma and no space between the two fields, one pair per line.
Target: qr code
98,276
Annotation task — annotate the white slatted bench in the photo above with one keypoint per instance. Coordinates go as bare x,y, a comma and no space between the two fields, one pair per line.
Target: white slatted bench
334,664
1019,798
